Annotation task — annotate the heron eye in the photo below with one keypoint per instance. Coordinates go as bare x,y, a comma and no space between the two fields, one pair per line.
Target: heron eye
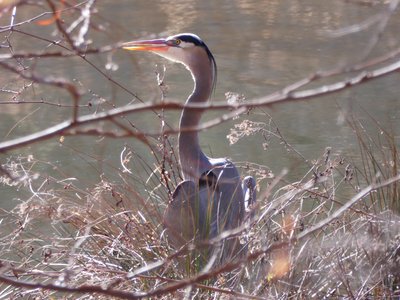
177,42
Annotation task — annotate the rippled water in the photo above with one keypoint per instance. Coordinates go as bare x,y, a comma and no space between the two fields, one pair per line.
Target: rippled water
259,46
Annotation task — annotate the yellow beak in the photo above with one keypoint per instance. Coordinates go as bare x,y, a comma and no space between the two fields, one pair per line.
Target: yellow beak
146,45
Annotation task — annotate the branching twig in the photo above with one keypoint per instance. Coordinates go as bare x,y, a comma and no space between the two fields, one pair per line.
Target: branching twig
285,95
364,192
60,83
60,26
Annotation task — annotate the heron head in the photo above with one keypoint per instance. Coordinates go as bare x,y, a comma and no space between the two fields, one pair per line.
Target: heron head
184,48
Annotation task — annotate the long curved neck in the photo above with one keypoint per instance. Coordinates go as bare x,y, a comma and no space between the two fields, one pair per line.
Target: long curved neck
193,160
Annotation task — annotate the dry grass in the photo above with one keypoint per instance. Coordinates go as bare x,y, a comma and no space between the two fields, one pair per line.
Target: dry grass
109,242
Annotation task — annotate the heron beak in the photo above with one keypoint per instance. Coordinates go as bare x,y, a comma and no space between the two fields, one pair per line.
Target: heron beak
146,45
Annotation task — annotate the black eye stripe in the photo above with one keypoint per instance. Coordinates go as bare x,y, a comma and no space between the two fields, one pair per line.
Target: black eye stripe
191,39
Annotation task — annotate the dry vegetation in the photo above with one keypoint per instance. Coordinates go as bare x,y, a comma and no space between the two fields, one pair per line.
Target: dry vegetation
303,241
334,233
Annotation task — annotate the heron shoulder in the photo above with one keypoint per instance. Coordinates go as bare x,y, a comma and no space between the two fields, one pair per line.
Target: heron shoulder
224,164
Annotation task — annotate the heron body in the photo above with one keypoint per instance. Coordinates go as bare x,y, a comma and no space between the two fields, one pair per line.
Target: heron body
210,200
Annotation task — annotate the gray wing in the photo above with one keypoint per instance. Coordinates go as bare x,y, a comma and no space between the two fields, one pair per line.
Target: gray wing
190,213
229,208
179,218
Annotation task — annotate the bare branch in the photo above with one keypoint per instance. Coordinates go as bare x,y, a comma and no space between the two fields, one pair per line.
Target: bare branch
81,289
60,83
364,192
43,54
60,27
285,95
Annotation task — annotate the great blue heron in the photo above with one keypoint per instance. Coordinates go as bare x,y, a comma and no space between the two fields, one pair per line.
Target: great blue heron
211,199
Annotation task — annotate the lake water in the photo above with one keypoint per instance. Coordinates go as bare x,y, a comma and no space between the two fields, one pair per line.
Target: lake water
259,46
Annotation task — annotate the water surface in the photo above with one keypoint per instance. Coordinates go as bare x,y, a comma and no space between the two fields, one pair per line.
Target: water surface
259,46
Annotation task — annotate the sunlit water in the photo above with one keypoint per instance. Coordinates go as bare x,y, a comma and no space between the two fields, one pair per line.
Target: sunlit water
259,46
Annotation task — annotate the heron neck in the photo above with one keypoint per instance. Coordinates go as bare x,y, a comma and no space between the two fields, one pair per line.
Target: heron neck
193,160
